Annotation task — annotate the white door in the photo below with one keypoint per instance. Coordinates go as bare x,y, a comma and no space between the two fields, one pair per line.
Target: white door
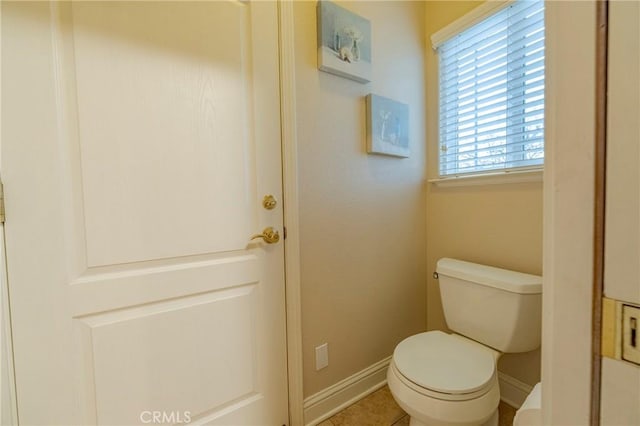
620,391
138,141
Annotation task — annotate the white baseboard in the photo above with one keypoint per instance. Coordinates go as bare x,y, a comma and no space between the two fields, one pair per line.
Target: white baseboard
326,403
335,398
513,391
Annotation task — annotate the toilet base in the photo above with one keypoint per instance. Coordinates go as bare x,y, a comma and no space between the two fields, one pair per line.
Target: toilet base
493,421
430,411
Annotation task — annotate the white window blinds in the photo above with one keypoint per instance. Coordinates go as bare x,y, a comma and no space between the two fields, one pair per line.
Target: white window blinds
492,93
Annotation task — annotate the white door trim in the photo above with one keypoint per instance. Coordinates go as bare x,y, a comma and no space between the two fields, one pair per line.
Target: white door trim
8,402
290,205
568,211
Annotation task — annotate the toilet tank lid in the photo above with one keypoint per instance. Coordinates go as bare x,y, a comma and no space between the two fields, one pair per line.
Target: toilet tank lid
514,282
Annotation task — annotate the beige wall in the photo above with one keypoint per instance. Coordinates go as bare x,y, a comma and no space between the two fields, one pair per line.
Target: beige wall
362,217
499,225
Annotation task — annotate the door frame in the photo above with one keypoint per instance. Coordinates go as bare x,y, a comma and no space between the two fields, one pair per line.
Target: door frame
8,397
291,245
8,401
600,183
291,211
571,218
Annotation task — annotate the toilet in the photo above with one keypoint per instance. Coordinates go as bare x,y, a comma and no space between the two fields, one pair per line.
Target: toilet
443,379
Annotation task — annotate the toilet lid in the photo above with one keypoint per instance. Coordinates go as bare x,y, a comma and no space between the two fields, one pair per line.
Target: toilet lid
443,363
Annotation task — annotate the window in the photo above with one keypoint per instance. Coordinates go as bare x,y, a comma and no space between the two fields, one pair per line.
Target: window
492,93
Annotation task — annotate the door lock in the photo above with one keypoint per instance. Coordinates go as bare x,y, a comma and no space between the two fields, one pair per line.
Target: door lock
269,202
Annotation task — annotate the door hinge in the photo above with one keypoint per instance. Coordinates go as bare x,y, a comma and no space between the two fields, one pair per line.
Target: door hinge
1,203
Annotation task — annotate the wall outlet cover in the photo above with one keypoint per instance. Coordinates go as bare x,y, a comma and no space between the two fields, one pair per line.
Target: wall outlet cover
322,356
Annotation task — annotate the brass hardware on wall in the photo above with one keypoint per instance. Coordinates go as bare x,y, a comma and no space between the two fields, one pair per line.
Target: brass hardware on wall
269,235
617,339
269,202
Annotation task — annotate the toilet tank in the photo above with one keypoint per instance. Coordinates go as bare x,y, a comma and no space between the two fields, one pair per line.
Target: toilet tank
497,307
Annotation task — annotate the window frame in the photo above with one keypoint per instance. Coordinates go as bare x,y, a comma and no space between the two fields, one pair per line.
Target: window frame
523,173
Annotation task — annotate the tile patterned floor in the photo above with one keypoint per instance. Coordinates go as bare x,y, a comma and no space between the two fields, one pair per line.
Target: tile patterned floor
379,409
506,414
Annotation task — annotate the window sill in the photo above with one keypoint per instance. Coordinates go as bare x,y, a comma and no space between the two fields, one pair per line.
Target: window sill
497,178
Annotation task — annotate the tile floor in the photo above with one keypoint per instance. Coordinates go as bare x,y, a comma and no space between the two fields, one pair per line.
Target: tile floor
379,409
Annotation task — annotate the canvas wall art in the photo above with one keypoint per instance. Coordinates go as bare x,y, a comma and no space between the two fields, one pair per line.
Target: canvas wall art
344,42
387,126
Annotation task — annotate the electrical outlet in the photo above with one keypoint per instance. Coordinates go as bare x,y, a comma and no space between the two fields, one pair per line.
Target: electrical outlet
631,333
322,356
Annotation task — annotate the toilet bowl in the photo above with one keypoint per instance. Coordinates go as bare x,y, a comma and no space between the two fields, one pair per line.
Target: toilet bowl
443,379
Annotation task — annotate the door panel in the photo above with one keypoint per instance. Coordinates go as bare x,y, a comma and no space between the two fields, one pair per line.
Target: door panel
622,237
138,140
620,389
184,129
157,354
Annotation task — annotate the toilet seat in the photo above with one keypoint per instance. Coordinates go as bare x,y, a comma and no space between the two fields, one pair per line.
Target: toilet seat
445,366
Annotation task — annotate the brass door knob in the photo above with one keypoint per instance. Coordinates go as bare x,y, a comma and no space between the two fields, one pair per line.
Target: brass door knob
269,202
269,235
